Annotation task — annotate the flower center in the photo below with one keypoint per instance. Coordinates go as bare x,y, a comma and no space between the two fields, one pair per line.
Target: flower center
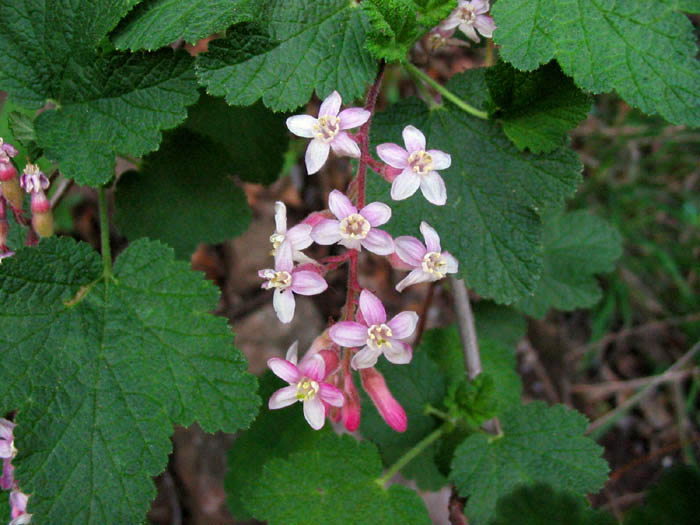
467,14
306,389
434,263
327,128
354,226
379,335
276,239
280,280
421,162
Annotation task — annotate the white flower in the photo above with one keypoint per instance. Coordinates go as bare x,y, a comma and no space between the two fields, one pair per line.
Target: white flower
299,236
470,17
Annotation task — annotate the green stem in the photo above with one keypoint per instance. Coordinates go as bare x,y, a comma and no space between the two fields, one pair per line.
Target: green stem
412,453
430,410
461,104
104,234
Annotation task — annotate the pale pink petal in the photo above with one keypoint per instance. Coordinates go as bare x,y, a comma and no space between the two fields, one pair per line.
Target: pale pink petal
377,213
7,479
410,250
450,22
340,205
372,308
353,118
441,160
403,325
267,273
413,138
485,25
6,429
480,6
5,449
280,217
352,244
433,188
469,31
348,333
300,236
393,154
283,257
316,155
284,369
313,367
293,353
283,398
18,502
365,358
308,283
302,125
315,413
283,304
344,146
416,276
331,105
432,239
379,242
398,352
326,232
405,185
452,263
331,395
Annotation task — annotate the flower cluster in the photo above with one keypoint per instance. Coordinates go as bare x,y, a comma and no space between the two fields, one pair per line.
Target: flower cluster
470,18
18,500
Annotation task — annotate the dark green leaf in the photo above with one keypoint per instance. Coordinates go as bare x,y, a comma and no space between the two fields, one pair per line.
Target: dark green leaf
475,402
499,323
673,500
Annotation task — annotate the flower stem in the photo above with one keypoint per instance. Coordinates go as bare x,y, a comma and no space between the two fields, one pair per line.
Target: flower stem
363,136
412,453
104,234
461,104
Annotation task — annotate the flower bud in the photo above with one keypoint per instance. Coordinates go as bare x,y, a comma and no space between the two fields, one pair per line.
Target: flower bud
43,223
390,410
350,411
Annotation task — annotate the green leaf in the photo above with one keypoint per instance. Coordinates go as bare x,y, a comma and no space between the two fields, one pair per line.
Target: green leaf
432,12
5,508
333,483
536,108
643,49
689,6
673,500
577,246
539,504
273,434
415,386
474,402
499,323
105,104
157,23
540,444
254,137
304,46
99,371
14,120
489,222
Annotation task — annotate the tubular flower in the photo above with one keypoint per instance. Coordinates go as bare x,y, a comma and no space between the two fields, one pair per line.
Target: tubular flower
391,411
286,282
355,229
428,261
305,385
299,236
470,17
418,167
328,131
376,334
34,181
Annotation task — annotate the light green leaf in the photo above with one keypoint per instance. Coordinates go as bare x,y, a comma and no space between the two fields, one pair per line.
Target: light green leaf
474,402
99,371
539,444
432,12
157,23
304,47
333,483
395,28
577,246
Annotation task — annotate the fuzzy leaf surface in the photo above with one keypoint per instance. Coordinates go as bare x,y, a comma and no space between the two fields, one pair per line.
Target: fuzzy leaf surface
540,444
300,46
331,483
100,370
395,28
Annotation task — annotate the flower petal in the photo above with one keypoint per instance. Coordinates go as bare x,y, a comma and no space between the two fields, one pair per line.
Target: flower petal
452,263
331,395
6,429
413,138
340,205
410,250
432,239
480,6
284,304
313,367
352,244
450,22
293,353
393,154
283,257
405,184
331,105
306,282
365,358
283,397
470,32
300,236
5,449
348,333
315,413
302,125
284,369
344,146
379,242
441,160
326,232
416,276
433,188
316,156
280,217
372,308
377,213
403,325
353,118
485,25
398,352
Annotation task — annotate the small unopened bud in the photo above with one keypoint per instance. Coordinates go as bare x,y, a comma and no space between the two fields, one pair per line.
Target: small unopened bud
390,409
350,411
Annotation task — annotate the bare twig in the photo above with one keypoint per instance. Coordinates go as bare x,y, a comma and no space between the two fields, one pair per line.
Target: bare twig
467,331
63,186
601,390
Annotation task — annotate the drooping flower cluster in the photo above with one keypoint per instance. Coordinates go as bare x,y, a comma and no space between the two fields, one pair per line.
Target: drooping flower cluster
18,500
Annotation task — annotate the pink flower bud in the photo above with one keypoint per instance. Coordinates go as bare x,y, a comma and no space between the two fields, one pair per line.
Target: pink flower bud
316,217
390,410
350,411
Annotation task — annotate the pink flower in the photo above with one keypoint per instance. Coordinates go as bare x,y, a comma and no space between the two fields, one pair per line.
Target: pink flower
7,151
418,167
299,236
470,17
354,229
18,503
305,385
286,282
7,447
33,179
376,334
390,409
327,131
429,263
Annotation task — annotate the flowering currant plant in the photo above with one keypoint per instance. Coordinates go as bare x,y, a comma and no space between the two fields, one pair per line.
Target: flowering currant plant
394,161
